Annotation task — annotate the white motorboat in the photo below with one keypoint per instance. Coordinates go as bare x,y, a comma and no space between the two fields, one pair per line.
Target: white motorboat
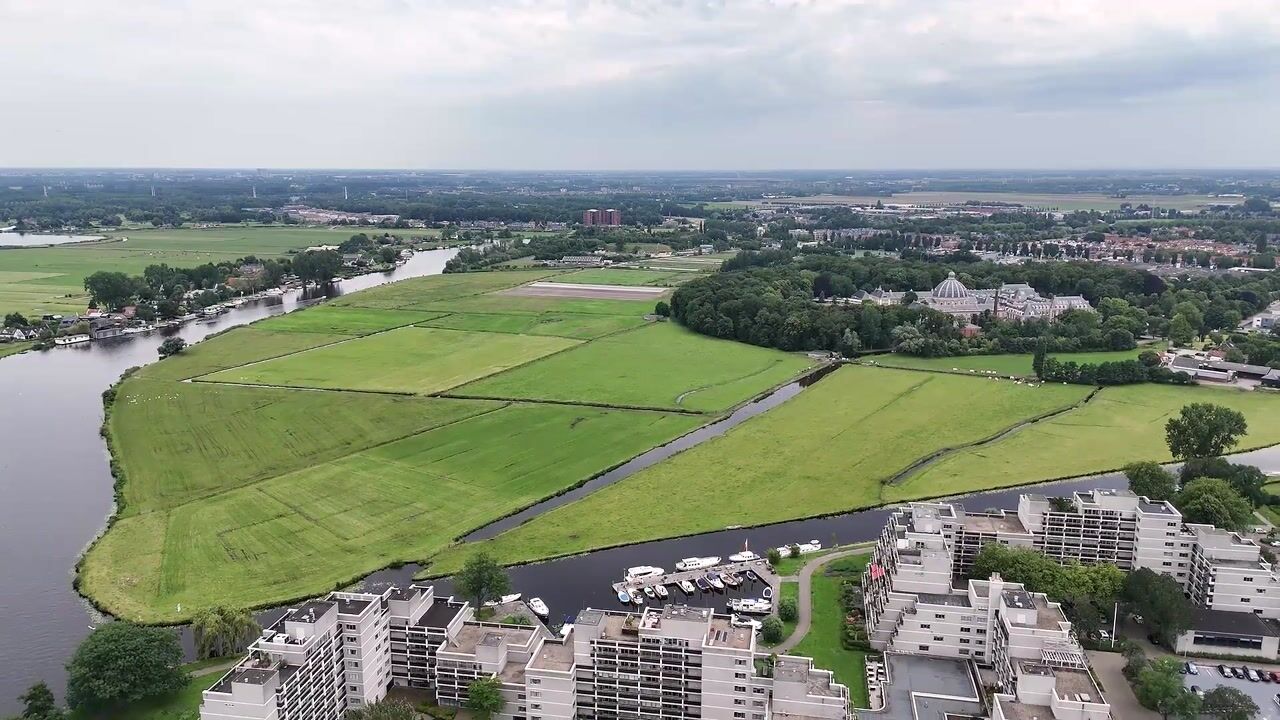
71,340
751,606
538,607
739,621
648,591
661,591
812,546
637,597
714,581
641,572
687,587
744,556
503,600
698,563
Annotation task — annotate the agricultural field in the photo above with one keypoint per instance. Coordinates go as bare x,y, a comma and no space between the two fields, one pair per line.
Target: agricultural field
570,325
1008,364
829,449
1119,426
421,292
181,441
335,320
412,359
659,366
51,279
340,519
1060,201
625,276
246,344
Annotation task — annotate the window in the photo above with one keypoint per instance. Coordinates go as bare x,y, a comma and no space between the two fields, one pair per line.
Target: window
966,629
739,661
938,638
535,681
964,641
926,626
739,688
939,616
739,701
924,648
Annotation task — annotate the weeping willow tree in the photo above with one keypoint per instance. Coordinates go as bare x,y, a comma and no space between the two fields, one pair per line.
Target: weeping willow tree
221,631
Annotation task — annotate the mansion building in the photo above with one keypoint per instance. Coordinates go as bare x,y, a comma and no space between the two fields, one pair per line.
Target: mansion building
1011,301
675,662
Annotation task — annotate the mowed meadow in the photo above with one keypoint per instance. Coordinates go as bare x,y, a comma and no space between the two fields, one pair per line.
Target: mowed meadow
281,459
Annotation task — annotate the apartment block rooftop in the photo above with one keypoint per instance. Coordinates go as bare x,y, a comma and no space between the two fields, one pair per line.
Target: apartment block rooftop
351,606
994,523
799,670
951,599
474,635
554,655
439,615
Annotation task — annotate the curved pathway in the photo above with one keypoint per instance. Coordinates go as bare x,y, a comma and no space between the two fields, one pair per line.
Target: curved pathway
804,595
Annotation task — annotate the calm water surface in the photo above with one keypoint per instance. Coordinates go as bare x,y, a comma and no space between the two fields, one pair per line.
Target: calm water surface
13,239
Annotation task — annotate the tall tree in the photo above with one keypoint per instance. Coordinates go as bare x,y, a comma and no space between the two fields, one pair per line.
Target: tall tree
1159,599
316,265
1228,703
221,631
482,579
38,704
385,709
1204,430
122,663
484,697
110,290
1151,480
1159,687
1213,501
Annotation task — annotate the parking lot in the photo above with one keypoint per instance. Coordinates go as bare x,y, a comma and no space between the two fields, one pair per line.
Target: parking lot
1263,693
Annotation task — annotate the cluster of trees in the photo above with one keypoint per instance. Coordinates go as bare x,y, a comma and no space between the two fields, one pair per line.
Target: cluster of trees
1117,372
161,288
1087,592
1158,686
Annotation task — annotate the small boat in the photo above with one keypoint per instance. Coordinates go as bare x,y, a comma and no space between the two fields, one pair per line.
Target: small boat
71,340
624,596
739,621
751,606
805,548
687,587
503,600
661,591
648,591
637,597
730,580
715,582
767,592
702,584
744,556
538,607
640,572
752,576
698,563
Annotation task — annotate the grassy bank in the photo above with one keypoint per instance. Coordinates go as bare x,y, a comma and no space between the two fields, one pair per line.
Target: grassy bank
822,643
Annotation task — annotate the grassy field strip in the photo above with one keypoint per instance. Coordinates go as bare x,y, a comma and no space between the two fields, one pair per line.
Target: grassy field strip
635,369
1122,425
345,320
236,347
410,359
570,325
620,276
412,293
828,450
340,519
1005,364
179,442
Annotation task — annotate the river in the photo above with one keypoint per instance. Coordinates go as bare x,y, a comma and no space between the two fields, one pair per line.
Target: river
56,487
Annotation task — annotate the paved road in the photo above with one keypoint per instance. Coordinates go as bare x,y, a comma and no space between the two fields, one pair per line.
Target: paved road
804,599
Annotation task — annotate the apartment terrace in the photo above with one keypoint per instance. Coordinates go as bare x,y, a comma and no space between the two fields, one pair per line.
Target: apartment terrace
554,655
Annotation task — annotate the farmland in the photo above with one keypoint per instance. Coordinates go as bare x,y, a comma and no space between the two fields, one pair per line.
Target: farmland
1119,426
181,441
570,325
829,449
405,360
1008,364
299,533
1060,201
623,276
649,367
51,279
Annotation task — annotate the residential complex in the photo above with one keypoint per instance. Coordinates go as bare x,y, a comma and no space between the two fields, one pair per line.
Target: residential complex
608,218
917,601
673,662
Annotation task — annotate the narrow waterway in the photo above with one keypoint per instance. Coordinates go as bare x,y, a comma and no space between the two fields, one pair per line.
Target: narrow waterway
55,486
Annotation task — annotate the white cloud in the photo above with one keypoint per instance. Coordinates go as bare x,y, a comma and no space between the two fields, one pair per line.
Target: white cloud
638,83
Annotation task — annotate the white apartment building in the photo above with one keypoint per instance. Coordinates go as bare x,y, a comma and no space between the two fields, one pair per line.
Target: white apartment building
673,662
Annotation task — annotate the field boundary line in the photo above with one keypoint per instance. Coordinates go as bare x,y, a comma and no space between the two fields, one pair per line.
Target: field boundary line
931,458
572,403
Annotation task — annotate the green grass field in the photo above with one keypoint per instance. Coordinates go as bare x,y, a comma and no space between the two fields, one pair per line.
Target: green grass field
570,325
181,441
827,450
51,279
344,320
1119,426
1009,364
181,705
504,304
14,348
343,518
662,365
826,625
405,360
238,346
415,293
623,276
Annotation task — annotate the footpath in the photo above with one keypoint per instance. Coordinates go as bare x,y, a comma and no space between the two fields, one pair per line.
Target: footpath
804,595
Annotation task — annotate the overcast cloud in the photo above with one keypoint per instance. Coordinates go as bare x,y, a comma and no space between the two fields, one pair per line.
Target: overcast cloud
636,84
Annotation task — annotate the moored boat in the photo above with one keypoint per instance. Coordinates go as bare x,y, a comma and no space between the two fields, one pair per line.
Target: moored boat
648,591
661,591
71,340
640,572
687,587
752,576
750,606
744,556
698,563
624,596
637,597
702,584
767,592
539,607
715,582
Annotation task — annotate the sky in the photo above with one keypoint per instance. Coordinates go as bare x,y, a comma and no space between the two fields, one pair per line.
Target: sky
640,84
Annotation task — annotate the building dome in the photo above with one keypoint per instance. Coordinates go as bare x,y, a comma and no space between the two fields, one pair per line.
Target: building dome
951,289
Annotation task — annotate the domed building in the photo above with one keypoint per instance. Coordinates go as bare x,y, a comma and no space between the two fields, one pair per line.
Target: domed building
1011,301
950,290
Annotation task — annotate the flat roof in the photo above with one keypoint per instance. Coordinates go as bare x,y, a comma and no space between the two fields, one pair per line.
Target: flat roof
911,675
554,655
952,599
1070,683
351,606
472,636
304,611
1224,622
994,524
439,615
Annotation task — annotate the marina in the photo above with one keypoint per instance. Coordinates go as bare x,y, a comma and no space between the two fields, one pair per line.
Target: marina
638,587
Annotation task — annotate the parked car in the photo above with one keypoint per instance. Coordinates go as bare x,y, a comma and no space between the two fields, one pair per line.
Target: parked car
1264,676
1137,619
1277,699
1237,673
1275,676
1191,668
1103,635
1224,671
1196,689
1251,674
